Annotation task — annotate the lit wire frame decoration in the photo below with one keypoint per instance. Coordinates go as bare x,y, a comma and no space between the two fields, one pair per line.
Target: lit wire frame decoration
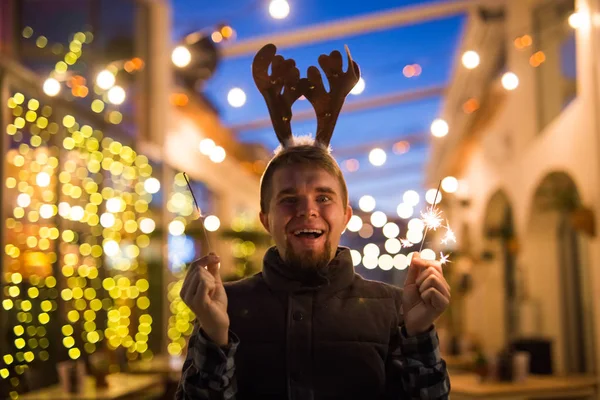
432,219
187,180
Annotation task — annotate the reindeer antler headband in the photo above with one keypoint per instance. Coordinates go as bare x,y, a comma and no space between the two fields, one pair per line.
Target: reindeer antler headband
284,86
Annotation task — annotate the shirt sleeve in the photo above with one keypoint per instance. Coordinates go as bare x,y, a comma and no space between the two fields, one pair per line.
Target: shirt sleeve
416,368
208,370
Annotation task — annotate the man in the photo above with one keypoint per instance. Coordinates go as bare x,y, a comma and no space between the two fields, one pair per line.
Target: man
308,326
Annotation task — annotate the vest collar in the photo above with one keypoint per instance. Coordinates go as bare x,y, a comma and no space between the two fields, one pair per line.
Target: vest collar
338,275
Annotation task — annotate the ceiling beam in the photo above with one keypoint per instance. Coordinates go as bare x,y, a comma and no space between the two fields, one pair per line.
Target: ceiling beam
412,139
359,25
375,173
353,106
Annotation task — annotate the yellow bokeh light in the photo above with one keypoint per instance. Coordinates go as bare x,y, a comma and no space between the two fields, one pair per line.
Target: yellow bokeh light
73,316
74,353
50,281
29,356
67,330
26,305
33,292
16,278
7,304
44,318
143,303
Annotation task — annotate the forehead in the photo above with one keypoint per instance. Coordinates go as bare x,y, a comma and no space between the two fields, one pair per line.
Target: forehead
304,178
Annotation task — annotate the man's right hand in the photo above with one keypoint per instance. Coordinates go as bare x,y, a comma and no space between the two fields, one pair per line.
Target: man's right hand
204,294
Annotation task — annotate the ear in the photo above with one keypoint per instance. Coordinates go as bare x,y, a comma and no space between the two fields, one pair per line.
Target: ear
264,220
347,215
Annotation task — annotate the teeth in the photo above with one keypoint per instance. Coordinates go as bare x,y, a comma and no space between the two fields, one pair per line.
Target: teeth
317,231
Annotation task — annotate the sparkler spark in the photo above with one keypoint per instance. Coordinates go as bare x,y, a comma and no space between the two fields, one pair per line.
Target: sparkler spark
450,236
406,243
189,185
444,258
432,218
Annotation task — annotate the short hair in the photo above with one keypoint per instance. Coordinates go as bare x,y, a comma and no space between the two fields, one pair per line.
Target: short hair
300,154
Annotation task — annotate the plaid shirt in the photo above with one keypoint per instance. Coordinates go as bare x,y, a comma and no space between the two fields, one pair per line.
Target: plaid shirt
416,366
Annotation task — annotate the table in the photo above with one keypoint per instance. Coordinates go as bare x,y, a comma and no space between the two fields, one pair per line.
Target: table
468,386
120,386
161,364
460,363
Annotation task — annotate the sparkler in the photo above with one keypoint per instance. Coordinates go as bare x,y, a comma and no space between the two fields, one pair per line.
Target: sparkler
406,243
431,218
198,209
450,236
444,258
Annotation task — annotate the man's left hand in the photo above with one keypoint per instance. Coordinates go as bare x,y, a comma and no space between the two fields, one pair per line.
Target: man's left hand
426,295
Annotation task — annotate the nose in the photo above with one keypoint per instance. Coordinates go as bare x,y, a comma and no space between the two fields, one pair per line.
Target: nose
307,208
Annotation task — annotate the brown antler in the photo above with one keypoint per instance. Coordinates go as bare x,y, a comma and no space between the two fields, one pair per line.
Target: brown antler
284,75
328,105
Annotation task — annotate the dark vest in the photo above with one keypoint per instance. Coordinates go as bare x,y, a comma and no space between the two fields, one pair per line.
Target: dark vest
305,335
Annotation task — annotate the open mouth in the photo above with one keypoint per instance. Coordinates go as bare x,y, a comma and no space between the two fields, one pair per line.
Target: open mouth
308,233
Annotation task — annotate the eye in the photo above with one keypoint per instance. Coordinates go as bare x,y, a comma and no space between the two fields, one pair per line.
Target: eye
323,199
288,200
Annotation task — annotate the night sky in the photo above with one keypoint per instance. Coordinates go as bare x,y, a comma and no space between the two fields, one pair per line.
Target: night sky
381,56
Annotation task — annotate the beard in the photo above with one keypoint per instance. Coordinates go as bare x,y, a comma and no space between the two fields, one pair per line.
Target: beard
308,260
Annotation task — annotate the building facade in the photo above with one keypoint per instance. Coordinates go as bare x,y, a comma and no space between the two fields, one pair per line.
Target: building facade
527,161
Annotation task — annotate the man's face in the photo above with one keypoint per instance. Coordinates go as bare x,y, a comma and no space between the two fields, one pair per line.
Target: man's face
306,215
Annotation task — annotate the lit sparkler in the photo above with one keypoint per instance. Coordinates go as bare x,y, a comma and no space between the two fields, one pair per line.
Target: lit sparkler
444,258
431,218
197,208
450,236
406,243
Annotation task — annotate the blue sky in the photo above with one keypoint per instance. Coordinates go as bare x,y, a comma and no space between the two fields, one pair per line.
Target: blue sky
381,56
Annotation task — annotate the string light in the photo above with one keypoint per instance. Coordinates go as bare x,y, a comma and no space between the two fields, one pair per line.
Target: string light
236,97
105,79
439,128
71,188
279,9
355,223
206,146
576,20
510,81
359,87
116,95
181,56
51,87
470,59
217,154
377,157
367,203
450,184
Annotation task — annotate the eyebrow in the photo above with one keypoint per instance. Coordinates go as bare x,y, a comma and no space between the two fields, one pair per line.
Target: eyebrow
320,189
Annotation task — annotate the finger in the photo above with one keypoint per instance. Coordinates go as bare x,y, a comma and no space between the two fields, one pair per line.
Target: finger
434,282
420,262
413,271
437,265
208,280
191,281
213,269
435,299
188,295
207,259
202,295
424,274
